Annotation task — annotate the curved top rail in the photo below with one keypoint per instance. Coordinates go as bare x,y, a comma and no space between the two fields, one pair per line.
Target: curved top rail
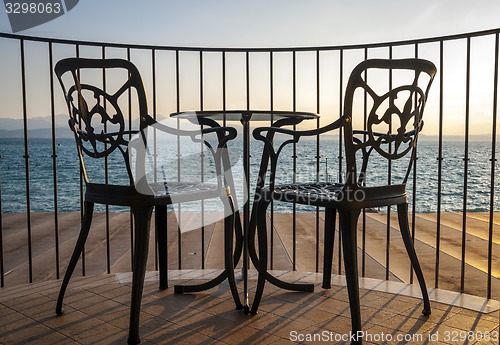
284,49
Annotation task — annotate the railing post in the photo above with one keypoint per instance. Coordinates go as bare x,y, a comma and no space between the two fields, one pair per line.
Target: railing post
54,158
466,169
26,160
493,164
440,165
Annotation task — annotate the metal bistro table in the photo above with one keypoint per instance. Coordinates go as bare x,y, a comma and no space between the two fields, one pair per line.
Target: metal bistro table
278,118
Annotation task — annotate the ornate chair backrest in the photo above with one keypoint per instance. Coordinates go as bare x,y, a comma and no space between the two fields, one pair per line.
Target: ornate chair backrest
385,100
95,115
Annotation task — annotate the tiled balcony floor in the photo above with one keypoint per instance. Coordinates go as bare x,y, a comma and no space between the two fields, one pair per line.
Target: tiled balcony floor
308,249
97,312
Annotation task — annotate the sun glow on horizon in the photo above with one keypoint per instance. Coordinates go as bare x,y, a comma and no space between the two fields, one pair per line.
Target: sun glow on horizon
265,80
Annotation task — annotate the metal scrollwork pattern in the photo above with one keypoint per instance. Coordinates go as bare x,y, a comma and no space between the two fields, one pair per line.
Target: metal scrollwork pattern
97,120
402,121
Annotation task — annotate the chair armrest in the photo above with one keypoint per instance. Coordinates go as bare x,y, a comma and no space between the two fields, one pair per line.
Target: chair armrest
270,154
296,135
139,144
224,133
257,133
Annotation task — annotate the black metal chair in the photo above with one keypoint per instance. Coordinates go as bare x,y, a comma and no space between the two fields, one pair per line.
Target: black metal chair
401,96
101,130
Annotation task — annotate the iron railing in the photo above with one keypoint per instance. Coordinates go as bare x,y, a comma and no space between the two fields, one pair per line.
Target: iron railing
301,78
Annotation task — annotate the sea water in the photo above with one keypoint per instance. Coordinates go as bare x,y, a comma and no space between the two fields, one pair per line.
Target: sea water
312,163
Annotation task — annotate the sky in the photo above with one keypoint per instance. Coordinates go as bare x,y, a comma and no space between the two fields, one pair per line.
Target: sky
266,23
278,23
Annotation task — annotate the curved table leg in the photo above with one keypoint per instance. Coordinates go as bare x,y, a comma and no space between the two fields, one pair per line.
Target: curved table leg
179,288
262,264
238,230
261,261
229,258
228,253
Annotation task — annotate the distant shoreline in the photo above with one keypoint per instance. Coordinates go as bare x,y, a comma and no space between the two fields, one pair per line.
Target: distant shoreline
65,133
41,127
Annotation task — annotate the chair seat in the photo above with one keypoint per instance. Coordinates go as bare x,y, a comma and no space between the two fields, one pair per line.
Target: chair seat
336,195
163,193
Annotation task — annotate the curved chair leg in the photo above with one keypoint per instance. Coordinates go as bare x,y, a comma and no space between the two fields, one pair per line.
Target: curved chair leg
330,214
348,225
142,218
162,244
88,209
410,249
262,264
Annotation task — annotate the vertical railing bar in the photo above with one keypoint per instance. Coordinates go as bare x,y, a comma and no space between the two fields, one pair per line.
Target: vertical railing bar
54,158
106,169
466,169
493,162
365,116
155,154
131,214
246,168
224,100
414,189
294,207
77,48
389,182
440,164
340,157
224,87
26,162
318,156
155,103
202,170
271,231
178,100
247,78
2,272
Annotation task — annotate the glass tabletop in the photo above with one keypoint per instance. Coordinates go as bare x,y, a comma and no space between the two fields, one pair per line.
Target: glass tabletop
251,115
